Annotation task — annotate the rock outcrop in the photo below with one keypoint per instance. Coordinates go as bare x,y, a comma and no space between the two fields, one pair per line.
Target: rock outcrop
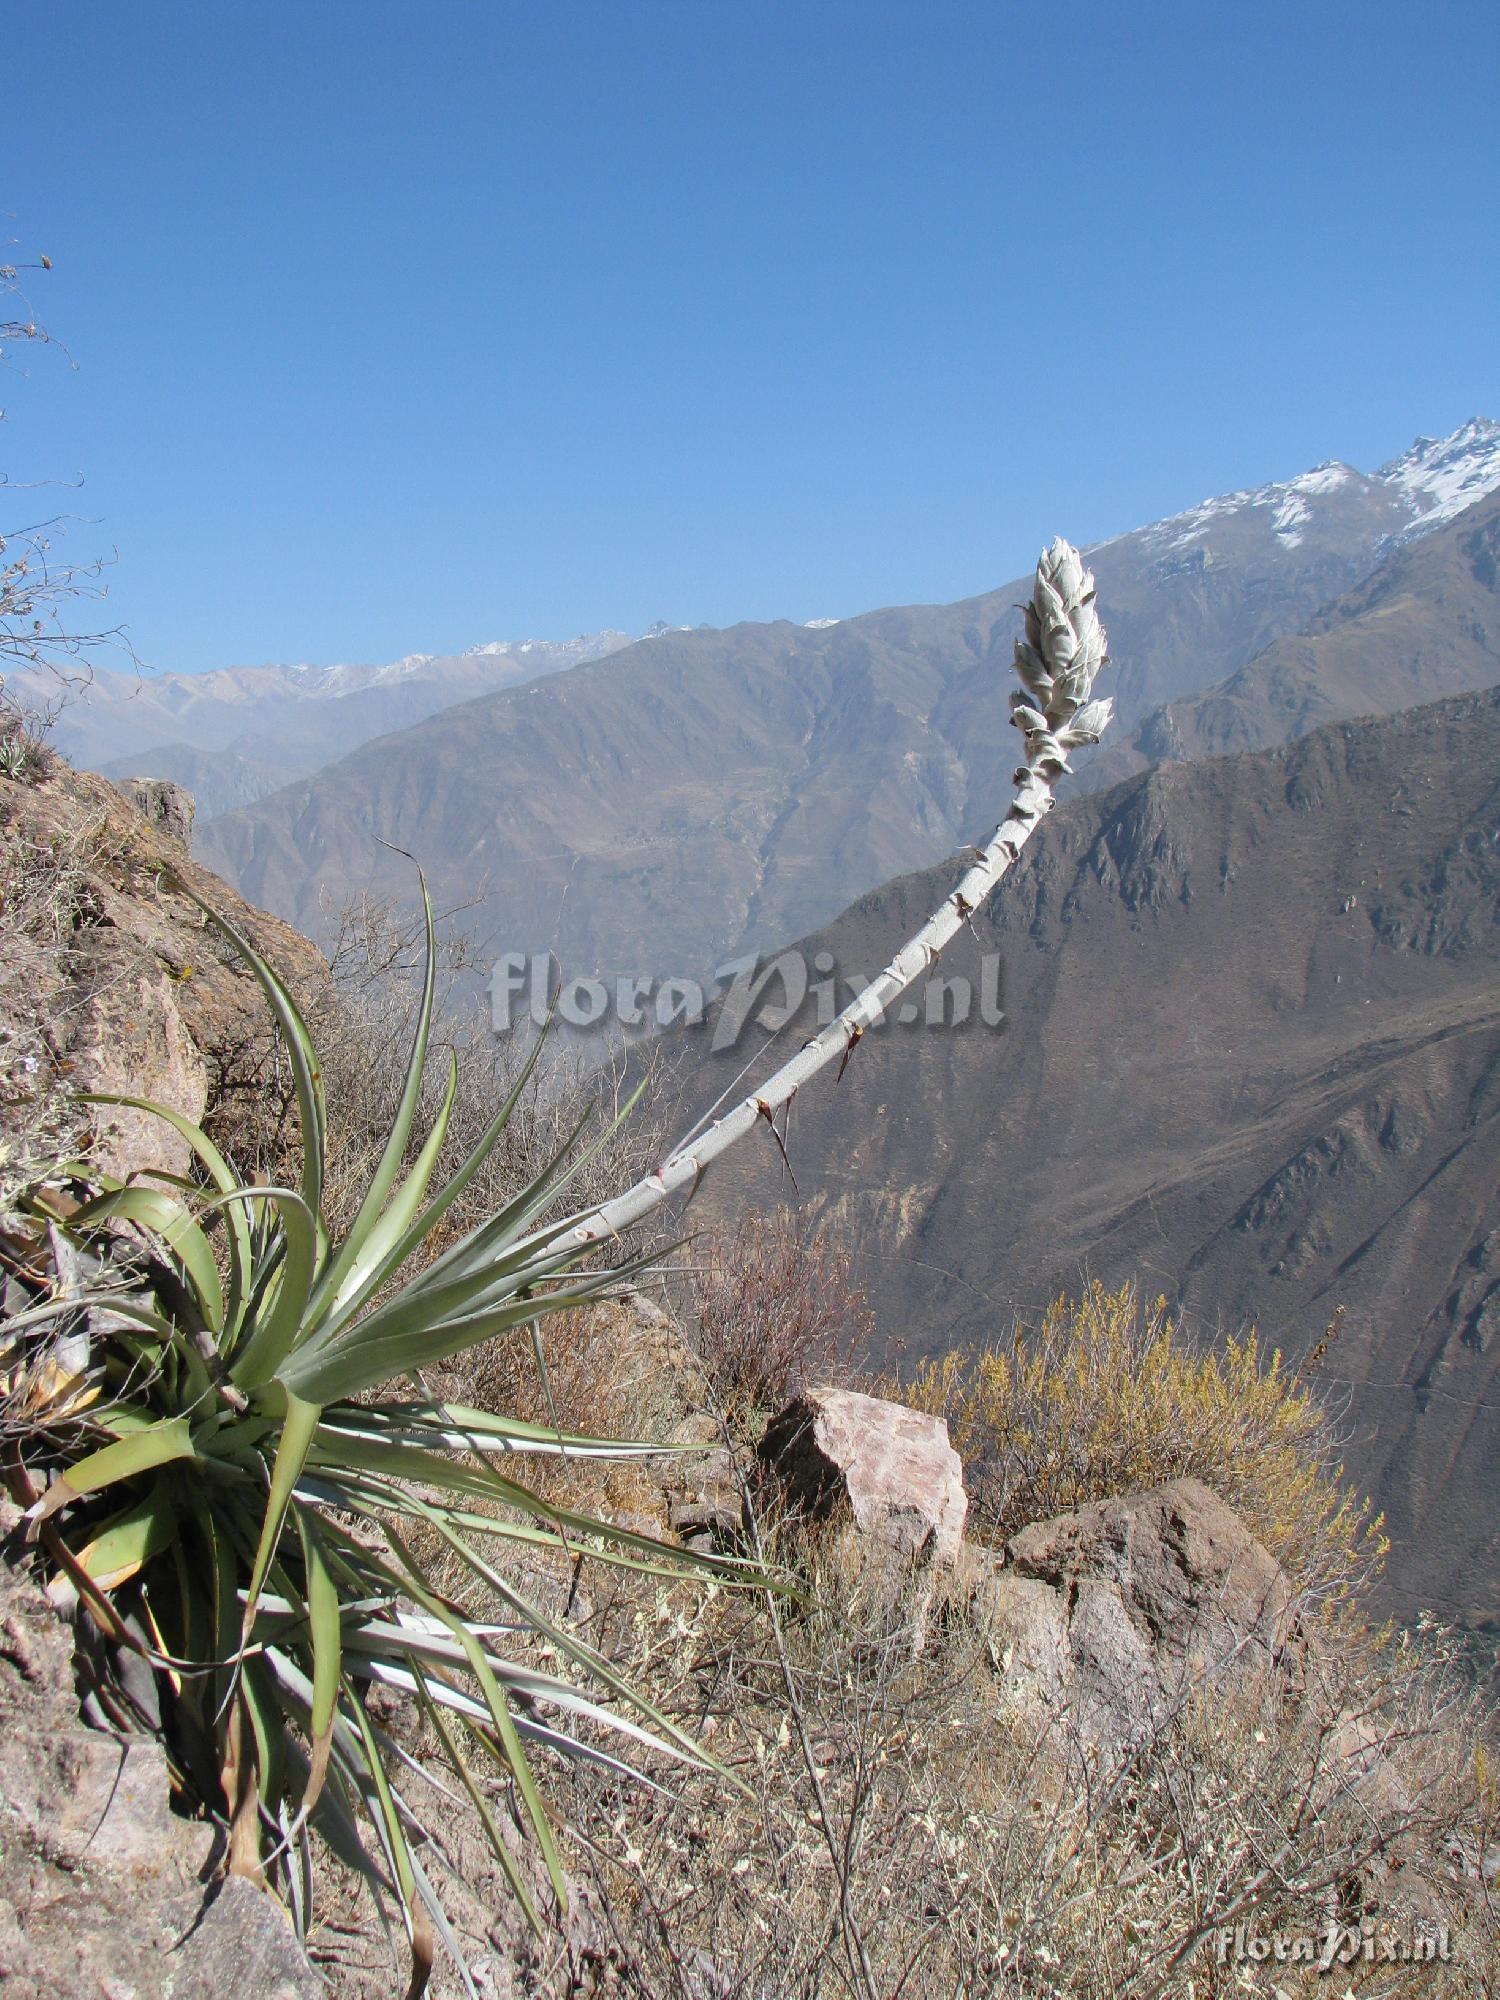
168,807
109,978
101,1889
834,1454
1114,1616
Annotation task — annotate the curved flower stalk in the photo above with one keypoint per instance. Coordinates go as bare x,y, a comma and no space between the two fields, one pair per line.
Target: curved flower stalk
215,1448
1057,660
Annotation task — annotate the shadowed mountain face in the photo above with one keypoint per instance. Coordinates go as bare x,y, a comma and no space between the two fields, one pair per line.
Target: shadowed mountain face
707,793
1252,1058
219,780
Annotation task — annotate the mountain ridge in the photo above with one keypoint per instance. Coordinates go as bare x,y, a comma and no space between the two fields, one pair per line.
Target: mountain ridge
235,734
708,793
1424,622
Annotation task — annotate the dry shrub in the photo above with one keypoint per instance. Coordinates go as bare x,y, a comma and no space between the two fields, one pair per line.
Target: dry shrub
363,1028
1107,1398
774,1309
44,902
907,1829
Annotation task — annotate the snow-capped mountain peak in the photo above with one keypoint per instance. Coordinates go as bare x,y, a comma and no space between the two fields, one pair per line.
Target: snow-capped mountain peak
1428,484
1286,500
1439,477
566,652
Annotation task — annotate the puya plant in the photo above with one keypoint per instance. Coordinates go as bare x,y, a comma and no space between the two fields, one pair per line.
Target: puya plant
212,1414
222,1454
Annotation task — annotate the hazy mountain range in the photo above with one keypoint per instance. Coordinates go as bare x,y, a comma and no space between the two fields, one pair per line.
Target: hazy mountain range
234,734
701,793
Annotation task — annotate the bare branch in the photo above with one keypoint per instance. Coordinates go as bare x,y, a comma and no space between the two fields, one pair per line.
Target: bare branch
45,643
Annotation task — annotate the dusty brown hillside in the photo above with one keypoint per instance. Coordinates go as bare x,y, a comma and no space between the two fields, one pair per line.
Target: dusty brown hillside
710,792
109,979
960,1752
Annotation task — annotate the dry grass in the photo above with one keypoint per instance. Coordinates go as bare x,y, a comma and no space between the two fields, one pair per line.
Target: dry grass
893,1824
896,1825
904,1831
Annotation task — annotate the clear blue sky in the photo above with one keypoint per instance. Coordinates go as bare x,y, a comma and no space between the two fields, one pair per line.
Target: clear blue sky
402,328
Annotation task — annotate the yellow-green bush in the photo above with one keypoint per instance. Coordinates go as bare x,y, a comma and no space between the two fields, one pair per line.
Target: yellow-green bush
1106,1397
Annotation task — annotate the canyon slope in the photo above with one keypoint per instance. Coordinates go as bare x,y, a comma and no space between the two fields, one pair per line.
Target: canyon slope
1251,1060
